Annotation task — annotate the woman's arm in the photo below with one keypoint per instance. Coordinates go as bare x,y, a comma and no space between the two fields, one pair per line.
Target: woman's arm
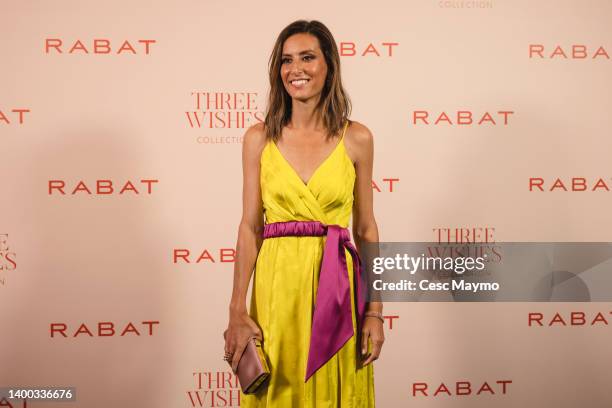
364,224
251,225
365,228
241,326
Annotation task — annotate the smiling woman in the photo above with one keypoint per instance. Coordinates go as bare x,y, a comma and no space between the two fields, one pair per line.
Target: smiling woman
306,53
306,169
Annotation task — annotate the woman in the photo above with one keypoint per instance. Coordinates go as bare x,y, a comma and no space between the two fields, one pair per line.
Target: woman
306,168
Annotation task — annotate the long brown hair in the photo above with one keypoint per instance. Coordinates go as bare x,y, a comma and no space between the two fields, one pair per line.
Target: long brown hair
334,104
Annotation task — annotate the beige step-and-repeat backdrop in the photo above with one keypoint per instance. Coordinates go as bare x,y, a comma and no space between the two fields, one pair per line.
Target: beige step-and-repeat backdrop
121,126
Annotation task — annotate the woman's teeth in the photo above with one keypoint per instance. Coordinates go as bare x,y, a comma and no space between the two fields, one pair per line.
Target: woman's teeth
299,82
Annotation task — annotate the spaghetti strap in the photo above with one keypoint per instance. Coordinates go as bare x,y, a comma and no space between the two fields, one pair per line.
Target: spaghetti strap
344,131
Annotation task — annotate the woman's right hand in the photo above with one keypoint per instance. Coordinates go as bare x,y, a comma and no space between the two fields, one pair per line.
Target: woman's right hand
240,330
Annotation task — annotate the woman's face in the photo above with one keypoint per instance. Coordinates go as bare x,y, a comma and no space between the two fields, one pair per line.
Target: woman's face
303,67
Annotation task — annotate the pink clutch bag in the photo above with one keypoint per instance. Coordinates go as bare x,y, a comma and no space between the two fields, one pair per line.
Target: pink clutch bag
252,371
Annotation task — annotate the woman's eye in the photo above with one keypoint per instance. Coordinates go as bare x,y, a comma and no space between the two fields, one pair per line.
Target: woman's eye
307,58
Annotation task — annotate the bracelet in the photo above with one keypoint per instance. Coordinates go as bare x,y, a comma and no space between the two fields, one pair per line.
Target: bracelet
377,315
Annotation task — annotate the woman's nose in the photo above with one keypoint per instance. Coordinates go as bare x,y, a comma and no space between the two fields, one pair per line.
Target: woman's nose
296,66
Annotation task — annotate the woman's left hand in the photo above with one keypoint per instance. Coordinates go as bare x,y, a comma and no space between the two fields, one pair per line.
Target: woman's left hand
372,330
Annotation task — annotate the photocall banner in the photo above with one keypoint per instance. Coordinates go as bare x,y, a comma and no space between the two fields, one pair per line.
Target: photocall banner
121,130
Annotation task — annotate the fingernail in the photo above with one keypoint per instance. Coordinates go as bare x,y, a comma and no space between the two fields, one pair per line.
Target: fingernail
363,351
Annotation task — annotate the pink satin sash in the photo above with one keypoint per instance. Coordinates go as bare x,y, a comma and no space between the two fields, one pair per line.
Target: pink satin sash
332,324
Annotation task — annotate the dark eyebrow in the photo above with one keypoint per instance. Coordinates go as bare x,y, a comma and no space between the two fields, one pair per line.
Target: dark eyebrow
301,53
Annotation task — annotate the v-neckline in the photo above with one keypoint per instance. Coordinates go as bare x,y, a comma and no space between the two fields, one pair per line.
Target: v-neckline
316,170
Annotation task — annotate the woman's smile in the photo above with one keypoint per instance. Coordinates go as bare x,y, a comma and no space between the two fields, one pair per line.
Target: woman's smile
299,83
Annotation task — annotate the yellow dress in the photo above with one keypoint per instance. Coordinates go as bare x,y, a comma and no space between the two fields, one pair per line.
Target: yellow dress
285,286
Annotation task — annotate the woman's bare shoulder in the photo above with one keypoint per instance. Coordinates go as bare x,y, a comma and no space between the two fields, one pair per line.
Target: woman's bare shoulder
358,139
254,140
